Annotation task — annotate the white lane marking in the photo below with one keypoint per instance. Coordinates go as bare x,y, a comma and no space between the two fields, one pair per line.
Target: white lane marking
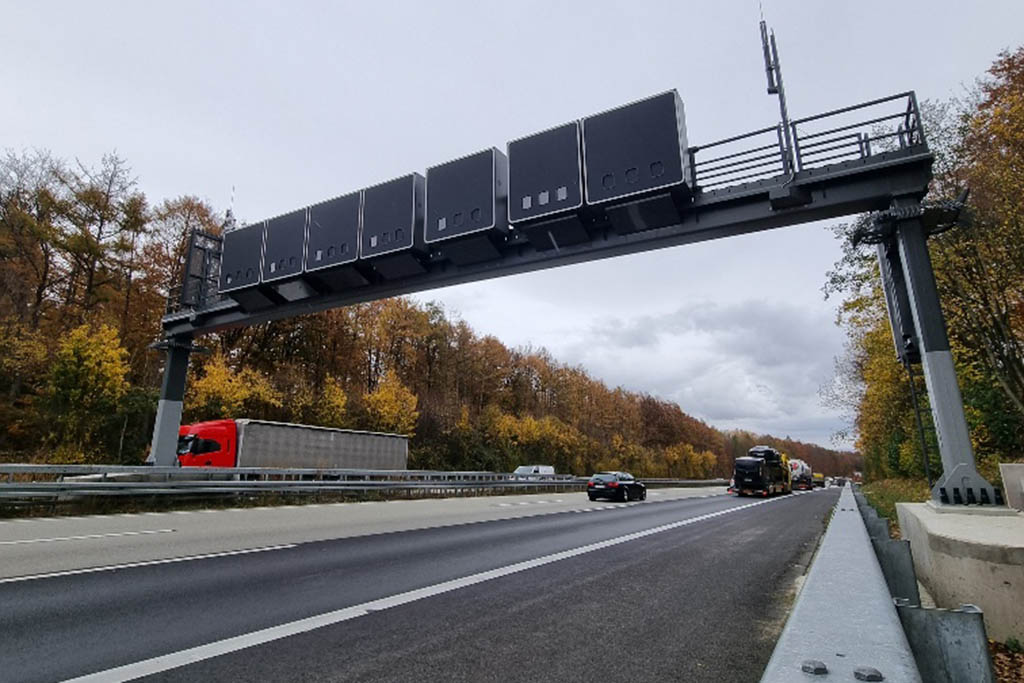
145,563
148,667
84,537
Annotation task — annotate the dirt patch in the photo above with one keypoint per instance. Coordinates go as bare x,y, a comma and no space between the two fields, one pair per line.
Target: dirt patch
1007,664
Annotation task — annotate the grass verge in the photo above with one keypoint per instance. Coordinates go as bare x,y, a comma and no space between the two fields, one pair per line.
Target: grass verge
885,493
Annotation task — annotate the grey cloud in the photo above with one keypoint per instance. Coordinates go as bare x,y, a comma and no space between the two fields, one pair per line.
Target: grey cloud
753,364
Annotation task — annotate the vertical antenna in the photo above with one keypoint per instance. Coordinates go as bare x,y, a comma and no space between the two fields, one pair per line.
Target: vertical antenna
769,66
773,72
229,215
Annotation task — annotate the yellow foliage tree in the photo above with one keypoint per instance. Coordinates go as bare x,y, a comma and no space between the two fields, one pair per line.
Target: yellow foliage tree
329,408
224,393
87,382
391,407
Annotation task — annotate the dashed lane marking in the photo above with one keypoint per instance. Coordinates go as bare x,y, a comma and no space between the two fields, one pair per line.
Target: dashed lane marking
146,563
88,537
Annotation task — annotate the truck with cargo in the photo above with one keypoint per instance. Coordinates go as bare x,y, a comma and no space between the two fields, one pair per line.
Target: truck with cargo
259,443
801,473
761,472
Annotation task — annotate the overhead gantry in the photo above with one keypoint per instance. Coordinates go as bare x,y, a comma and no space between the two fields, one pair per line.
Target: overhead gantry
619,182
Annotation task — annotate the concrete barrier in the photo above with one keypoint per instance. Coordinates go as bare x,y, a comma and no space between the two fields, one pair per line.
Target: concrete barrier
966,557
1013,483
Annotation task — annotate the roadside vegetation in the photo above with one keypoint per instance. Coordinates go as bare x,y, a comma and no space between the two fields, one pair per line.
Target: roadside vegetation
978,141
883,494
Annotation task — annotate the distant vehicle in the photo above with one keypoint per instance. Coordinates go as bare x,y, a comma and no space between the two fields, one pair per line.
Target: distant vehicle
819,479
760,472
257,443
787,475
616,486
530,471
801,475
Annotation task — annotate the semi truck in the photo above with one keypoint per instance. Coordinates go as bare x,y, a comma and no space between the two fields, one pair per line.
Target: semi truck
800,473
762,471
259,443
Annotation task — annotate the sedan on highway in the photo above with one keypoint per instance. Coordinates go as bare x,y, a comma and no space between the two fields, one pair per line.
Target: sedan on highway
616,486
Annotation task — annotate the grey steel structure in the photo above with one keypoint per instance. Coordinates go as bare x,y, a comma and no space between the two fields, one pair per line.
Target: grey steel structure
656,192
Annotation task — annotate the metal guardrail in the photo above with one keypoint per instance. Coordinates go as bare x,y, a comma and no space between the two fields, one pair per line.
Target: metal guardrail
949,645
844,625
35,482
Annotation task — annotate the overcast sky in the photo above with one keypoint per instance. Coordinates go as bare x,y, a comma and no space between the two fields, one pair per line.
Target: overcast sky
295,102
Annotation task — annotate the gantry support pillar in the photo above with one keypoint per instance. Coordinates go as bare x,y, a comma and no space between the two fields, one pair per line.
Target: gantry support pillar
960,482
163,451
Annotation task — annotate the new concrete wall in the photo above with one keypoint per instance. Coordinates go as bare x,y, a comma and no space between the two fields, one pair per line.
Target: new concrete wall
1013,483
966,558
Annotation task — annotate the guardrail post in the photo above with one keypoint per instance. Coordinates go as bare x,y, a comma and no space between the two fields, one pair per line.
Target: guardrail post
948,645
163,450
960,482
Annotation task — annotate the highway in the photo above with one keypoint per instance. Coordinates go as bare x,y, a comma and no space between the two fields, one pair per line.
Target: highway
689,585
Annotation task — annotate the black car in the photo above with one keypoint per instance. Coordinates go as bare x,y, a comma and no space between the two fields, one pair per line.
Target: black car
616,486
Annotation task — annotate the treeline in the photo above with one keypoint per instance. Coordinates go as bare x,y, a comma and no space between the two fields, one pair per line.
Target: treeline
979,268
85,263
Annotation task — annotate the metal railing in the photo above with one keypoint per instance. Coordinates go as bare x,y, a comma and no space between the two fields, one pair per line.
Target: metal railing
858,132
741,159
63,482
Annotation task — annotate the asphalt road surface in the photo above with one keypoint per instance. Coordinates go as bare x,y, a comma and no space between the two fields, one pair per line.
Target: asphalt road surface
675,588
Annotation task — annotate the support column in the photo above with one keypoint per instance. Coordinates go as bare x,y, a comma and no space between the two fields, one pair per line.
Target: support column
163,451
960,482
897,303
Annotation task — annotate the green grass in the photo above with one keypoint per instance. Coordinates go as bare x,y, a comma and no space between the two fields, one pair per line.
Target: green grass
885,493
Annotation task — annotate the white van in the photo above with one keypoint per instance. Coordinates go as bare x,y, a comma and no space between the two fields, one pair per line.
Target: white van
531,471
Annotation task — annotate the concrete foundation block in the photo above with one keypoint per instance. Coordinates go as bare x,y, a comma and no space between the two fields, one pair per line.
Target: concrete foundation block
970,559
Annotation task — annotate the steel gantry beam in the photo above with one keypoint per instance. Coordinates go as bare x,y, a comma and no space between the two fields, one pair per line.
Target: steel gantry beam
844,190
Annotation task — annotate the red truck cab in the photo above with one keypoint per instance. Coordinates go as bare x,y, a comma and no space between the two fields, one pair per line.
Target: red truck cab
208,444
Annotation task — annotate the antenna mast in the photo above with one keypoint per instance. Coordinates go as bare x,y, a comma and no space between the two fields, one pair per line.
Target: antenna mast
773,72
229,215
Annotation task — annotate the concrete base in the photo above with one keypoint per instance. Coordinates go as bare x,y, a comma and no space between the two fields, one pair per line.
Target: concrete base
970,558
984,510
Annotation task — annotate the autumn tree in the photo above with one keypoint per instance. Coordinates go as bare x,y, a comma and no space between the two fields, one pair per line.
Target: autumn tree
86,385
29,204
391,406
222,392
981,263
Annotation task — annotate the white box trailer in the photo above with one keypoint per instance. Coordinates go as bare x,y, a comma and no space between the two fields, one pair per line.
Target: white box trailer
279,444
